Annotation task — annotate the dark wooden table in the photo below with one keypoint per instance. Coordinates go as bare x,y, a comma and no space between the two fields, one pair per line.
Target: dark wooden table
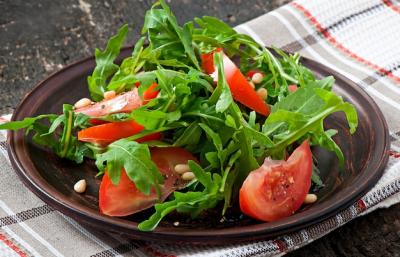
40,37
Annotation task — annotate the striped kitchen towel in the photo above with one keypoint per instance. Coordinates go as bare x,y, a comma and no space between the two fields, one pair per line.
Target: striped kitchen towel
358,38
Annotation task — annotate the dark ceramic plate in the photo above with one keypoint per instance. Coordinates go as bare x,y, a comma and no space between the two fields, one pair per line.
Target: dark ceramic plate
52,179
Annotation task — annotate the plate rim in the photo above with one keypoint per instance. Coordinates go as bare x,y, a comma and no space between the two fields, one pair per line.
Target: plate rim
246,233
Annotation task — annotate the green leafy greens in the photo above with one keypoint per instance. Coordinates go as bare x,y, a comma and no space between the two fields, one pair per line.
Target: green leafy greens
195,112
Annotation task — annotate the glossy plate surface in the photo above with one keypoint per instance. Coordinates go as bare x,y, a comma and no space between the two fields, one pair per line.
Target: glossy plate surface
52,179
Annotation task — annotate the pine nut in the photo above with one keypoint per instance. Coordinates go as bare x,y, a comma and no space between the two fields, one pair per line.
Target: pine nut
257,78
80,186
188,175
82,103
109,94
310,198
181,168
252,84
263,93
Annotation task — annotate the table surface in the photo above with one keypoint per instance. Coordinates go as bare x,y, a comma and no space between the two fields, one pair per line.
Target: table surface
40,37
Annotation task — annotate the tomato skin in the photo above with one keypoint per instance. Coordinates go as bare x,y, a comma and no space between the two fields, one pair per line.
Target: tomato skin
105,134
292,88
151,137
238,84
97,121
150,93
125,199
207,62
278,188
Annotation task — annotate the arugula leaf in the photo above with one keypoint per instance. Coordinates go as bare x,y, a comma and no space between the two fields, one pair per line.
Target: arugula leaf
65,145
105,66
165,35
315,178
292,119
180,199
190,136
221,96
135,160
26,122
325,83
215,138
68,145
183,34
152,119
125,77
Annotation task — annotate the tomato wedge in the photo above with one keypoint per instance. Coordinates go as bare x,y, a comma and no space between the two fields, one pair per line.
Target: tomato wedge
125,199
105,134
278,188
240,88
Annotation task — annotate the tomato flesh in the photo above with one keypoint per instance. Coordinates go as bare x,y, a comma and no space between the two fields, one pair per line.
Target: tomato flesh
278,188
105,134
125,199
240,88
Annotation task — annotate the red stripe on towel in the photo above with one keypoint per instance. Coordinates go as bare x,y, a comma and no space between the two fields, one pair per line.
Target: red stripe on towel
12,246
394,154
339,45
391,5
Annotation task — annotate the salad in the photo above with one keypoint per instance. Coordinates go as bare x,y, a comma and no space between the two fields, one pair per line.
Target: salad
198,117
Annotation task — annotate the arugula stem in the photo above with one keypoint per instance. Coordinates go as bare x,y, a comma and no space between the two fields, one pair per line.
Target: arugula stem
203,116
295,135
95,148
224,177
68,128
146,133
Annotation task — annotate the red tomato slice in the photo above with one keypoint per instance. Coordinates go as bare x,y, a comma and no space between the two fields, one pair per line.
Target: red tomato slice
240,87
107,133
278,188
151,137
207,62
125,102
125,199
150,93
121,103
